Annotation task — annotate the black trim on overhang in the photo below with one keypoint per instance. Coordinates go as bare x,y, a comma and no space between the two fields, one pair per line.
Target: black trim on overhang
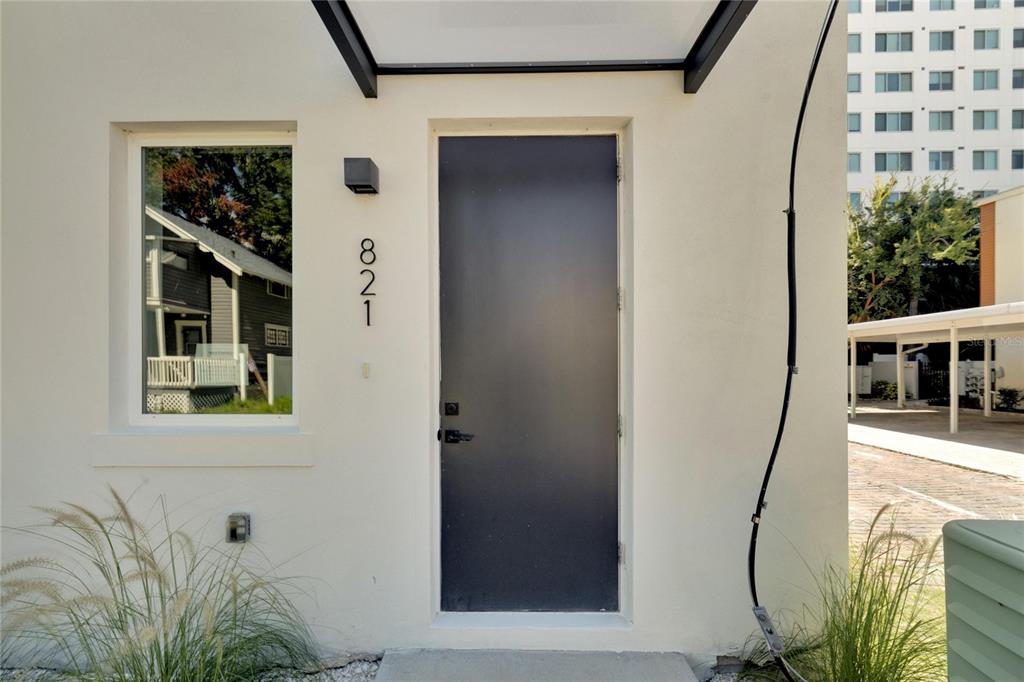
342,26
530,67
725,21
714,38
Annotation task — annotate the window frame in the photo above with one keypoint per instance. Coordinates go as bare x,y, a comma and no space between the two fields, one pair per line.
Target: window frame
1016,154
941,152
940,114
860,43
985,115
900,36
899,162
1017,38
858,118
1017,76
1017,116
899,80
985,34
860,82
899,117
277,329
941,75
937,5
853,156
986,4
940,35
136,417
984,154
983,73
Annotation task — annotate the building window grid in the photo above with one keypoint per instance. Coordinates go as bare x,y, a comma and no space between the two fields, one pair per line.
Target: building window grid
940,5
894,5
1017,159
894,42
894,121
1017,119
853,82
940,80
940,41
1018,37
985,159
893,162
986,79
986,119
986,39
940,161
1018,79
853,43
940,120
853,162
896,81
852,123
988,4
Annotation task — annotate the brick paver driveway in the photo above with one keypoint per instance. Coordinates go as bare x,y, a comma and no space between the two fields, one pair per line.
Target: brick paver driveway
928,493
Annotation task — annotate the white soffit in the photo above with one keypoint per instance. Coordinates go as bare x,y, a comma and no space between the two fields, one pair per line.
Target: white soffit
475,31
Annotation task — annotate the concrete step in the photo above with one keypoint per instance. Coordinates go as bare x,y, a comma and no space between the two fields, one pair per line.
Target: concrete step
460,665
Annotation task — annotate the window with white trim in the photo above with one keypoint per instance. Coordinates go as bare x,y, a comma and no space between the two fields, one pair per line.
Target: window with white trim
279,289
215,226
277,336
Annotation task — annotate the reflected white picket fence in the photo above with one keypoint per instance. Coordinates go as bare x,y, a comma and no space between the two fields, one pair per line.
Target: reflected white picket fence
186,371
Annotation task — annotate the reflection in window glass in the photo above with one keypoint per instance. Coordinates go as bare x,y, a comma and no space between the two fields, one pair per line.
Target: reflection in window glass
217,254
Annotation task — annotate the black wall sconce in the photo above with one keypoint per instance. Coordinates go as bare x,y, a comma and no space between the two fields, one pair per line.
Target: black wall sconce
362,176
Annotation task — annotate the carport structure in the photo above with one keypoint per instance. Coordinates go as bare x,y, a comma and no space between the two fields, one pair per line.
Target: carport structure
984,324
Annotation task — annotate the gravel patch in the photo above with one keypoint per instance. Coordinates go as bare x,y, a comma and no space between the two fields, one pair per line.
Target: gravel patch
725,677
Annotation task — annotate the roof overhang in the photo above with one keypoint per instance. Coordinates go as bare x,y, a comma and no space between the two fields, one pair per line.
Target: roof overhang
430,37
972,324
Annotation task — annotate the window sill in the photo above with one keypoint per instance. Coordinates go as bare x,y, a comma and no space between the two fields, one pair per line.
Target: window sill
241,447
531,620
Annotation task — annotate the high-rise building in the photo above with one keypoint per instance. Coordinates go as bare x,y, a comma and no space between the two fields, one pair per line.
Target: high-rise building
936,88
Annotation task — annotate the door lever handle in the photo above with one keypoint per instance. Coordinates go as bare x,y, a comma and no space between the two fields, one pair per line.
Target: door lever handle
456,436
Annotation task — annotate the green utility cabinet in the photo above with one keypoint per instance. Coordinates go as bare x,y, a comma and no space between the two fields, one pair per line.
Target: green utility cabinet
985,600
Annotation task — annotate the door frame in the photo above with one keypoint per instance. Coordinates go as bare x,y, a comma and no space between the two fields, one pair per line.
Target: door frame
179,336
622,129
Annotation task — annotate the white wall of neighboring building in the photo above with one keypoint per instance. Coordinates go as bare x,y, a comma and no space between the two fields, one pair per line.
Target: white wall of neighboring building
348,499
963,20
1009,279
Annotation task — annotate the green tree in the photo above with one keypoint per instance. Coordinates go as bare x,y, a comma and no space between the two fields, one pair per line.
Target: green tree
242,193
917,253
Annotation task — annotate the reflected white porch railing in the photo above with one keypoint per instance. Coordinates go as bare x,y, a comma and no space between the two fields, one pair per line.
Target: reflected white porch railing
186,371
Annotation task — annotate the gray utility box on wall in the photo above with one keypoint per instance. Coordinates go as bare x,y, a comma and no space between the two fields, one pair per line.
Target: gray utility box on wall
985,600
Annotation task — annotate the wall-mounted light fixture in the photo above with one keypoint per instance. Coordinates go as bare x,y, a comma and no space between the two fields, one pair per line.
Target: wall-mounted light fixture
362,176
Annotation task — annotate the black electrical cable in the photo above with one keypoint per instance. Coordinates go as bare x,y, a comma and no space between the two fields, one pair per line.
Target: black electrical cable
791,368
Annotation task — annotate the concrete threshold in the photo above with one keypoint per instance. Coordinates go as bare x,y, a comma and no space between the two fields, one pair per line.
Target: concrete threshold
460,665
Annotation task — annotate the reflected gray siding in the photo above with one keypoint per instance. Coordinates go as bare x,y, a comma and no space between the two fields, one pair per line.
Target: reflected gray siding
257,308
220,304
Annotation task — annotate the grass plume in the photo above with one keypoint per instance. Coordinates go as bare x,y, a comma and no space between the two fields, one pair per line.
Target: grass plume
873,622
124,602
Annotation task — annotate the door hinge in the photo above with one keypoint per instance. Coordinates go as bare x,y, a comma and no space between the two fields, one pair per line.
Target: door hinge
618,425
620,296
622,554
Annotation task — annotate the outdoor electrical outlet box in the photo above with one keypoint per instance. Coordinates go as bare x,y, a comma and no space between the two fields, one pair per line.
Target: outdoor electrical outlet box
362,176
239,527
984,599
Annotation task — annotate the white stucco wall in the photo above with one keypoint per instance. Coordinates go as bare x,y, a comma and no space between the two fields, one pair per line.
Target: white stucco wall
707,310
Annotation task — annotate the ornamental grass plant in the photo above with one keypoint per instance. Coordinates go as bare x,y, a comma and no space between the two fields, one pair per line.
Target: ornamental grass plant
876,621
119,601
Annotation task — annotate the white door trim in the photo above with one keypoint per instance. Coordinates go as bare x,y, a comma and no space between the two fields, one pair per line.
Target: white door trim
179,325
622,128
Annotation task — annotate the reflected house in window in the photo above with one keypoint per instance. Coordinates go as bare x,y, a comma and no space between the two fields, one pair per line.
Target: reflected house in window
215,312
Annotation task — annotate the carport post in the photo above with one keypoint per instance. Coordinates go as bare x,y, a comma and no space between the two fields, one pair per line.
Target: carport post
900,385
853,378
987,367
954,379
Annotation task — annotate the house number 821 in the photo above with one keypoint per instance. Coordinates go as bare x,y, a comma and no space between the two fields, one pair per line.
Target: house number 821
367,257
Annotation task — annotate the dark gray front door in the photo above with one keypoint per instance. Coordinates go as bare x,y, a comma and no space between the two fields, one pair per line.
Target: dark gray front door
529,360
